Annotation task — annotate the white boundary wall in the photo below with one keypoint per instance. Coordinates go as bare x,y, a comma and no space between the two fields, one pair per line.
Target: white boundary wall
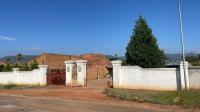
37,76
194,77
135,77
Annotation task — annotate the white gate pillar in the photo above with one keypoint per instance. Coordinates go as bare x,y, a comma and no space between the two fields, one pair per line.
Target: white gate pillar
184,77
16,72
43,70
81,72
69,66
116,73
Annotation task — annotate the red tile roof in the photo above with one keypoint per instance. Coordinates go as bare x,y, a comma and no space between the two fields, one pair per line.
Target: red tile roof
2,63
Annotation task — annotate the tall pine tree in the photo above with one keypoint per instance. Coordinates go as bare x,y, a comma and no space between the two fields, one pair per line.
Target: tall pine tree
143,49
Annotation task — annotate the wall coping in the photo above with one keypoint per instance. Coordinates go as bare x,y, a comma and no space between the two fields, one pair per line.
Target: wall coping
81,61
15,69
160,69
131,67
42,66
69,62
153,69
186,63
194,67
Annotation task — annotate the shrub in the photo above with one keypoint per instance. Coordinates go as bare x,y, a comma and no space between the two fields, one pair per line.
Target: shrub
33,65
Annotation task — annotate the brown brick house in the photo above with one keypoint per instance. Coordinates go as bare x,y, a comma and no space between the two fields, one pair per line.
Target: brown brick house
96,63
2,62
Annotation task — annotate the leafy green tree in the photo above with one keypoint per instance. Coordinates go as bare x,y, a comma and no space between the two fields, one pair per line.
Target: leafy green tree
143,49
124,62
20,64
194,60
24,67
8,61
7,68
33,65
19,58
16,65
1,68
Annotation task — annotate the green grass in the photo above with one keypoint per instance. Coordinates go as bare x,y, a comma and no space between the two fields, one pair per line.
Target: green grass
190,98
15,86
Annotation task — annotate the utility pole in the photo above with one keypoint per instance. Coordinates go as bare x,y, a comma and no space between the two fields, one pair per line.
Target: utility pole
182,42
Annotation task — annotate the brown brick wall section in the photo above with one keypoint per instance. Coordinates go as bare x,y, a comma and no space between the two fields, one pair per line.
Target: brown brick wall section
96,63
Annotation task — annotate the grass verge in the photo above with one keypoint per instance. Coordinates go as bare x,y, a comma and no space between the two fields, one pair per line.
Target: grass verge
185,98
16,86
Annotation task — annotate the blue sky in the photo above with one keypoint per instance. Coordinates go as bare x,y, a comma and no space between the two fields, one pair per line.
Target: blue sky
93,26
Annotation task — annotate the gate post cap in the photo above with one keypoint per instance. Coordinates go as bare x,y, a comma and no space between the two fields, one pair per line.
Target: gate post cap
81,61
116,62
42,66
186,63
69,62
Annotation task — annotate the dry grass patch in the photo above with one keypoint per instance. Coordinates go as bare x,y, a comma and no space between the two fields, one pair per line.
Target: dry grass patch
186,98
16,86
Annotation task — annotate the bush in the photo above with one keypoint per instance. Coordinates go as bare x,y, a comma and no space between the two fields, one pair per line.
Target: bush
33,65
24,67
1,68
7,68
10,86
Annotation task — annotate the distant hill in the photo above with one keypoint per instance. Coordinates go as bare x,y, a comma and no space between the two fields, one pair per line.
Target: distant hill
26,58
170,57
111,57
178,57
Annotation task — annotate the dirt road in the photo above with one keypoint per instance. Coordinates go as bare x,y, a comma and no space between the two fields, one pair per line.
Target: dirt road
76,99
33,104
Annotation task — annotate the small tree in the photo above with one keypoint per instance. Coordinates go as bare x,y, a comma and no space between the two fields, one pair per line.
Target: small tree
19,57
24,67
1,68
143,49
33,65
8,66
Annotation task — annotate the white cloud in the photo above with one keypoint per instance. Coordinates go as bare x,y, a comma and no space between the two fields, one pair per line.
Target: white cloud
197,51
7,38
34,48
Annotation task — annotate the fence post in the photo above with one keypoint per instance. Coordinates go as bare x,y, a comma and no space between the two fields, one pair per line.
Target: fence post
186,77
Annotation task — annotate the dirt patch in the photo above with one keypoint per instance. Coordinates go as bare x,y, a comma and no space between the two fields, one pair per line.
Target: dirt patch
92,92
90,98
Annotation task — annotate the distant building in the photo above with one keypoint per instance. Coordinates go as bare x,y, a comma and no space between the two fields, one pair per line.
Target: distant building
96,63
198,55
175,64
2,62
